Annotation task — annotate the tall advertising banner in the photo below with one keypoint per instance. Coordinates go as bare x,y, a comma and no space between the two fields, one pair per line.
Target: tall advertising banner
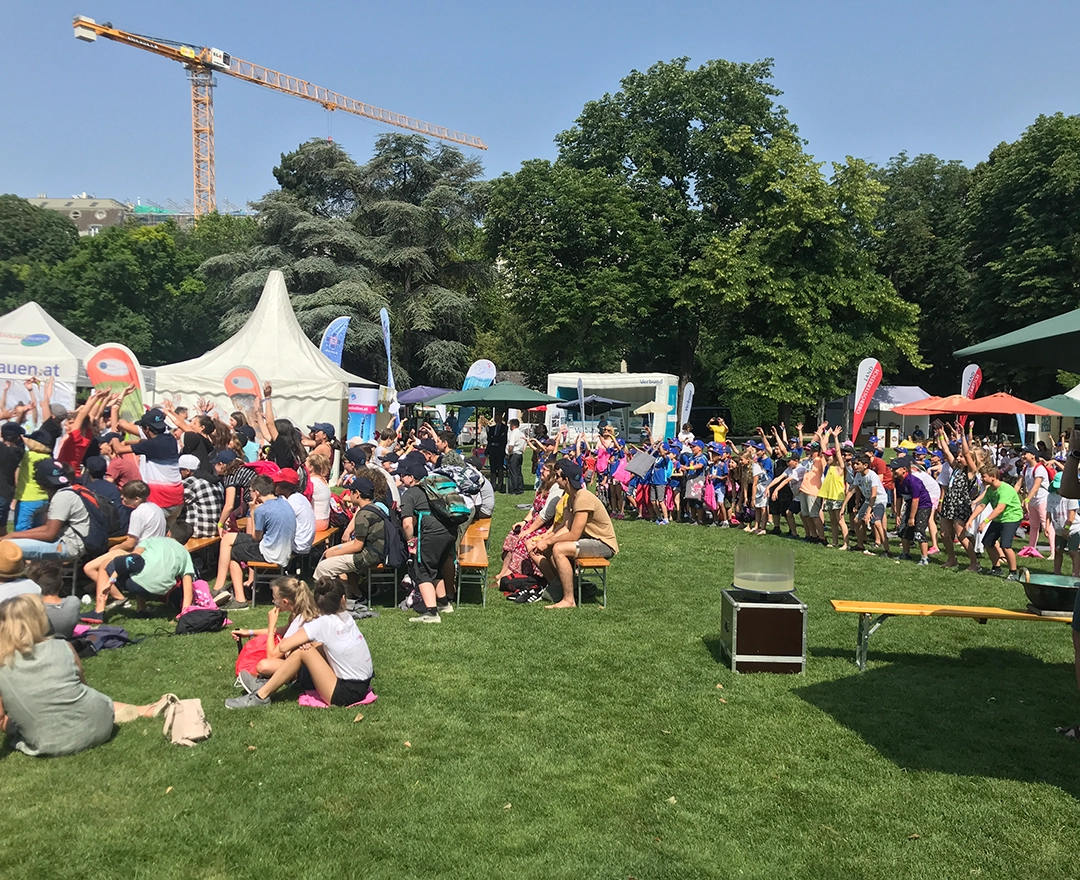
384,319
1021,427
969,386
687,404
481,374
363,405
113,367
333,338
866,383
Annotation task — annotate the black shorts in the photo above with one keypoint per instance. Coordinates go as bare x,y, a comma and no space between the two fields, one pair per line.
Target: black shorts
5,509
350,690
918,533
435,550
1000,533
246,549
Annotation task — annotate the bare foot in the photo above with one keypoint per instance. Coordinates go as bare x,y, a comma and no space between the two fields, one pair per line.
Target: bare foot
565,603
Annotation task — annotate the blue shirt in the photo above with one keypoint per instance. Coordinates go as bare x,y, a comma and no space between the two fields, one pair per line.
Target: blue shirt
277,522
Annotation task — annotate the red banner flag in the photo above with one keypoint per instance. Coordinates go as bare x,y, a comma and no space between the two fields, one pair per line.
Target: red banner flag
866,383
969,386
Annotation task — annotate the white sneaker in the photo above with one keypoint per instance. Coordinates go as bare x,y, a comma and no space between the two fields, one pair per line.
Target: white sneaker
426,617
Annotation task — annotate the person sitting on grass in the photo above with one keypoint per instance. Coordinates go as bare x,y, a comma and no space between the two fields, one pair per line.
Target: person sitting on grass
586,531
46,708
13,577
271,527
63,613
146,520
328,654
293,597
1005,517
150,571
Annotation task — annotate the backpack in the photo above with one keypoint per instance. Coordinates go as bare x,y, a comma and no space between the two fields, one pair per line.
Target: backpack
185,721
445,501
102,638
397,553
469,480
200,620
96,539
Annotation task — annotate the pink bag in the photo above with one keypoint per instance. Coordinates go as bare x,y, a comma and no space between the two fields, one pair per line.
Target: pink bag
602,460
710,496
622,473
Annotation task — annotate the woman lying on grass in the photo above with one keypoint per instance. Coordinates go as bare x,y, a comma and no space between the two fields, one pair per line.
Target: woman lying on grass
45,706
293,597
328,654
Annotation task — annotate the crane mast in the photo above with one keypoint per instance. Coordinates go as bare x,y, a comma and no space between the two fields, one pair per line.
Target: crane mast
202,62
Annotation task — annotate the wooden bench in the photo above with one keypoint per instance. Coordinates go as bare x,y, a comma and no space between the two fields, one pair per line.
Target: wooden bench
472,565
382,573
591,563
480,530
873,614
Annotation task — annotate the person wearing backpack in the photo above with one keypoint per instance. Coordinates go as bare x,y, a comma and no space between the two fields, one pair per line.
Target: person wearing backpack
363,543
67,527
431,541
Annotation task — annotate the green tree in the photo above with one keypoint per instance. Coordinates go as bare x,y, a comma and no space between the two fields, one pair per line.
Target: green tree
29,234
398,232
578,265
1022,226
664,134
921,250
790,295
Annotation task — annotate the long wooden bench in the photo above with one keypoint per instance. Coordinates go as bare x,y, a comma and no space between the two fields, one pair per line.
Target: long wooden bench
591,563
873,614
472,565
265,572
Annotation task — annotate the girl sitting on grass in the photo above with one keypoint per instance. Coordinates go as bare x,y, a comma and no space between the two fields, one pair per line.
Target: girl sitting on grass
293,597
328,654
45,706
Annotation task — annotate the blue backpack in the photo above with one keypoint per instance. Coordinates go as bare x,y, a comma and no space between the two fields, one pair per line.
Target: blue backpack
445,500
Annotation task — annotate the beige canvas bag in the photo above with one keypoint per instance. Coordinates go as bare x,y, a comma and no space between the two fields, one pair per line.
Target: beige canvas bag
185,722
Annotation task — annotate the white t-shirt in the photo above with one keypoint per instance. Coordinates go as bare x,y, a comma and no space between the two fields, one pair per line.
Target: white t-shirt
515,442
944,476
795,474
1032,473
344,645
873,490
320,499
932,485
758,471
305,522
1058,511
147,521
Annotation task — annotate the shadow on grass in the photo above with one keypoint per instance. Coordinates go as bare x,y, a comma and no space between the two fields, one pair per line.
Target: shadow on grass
712,644
991,712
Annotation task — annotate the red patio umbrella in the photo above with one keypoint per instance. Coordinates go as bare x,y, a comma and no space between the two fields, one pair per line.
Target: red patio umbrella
999,404
918,407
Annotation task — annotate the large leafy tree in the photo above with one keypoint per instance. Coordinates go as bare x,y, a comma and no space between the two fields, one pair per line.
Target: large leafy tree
29,234
790,294
398,232
578,263
921,251
663,134
1022,225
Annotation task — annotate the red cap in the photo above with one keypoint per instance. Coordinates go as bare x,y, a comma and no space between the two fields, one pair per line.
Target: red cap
287,475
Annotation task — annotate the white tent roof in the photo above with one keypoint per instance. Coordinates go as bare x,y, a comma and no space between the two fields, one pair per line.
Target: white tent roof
886,397
308,386
34,343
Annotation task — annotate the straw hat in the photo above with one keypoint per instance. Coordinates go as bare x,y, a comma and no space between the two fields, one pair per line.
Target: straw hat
11,561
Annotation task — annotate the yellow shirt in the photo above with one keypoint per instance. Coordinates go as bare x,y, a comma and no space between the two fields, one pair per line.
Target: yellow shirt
719,433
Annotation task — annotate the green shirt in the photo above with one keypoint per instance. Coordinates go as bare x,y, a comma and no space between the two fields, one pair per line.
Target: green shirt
165,561
1005,494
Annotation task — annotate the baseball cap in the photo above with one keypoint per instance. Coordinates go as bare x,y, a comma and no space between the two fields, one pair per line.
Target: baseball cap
356,455
188,462
11,430
226,456
58,410
411,467
901,461
50,474
287,475
96,466
153,419
325,427
568,469
364,486
921,450
127,565
391,457
874,439
428,445
247,432
1034,450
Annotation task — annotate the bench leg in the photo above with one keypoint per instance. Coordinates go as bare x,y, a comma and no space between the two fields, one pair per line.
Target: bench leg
868,625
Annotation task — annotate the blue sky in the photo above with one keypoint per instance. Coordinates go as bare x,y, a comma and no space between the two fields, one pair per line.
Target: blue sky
866,78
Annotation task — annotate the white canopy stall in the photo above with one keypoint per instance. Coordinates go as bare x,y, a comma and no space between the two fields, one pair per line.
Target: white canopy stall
308,386
880,417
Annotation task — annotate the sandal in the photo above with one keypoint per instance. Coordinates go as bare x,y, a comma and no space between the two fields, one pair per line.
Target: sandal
1069,732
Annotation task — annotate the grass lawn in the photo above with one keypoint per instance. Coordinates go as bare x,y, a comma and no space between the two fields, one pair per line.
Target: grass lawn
523,743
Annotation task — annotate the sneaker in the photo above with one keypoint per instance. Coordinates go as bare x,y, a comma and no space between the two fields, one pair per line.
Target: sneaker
923,561
904,556
992,572
247,701
116,604
235,605
426,617
932,551
1012,576
222,599
725,524
445,609
251,683
93,617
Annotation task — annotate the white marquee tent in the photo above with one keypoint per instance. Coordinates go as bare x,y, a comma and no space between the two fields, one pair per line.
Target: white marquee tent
34,344
308,386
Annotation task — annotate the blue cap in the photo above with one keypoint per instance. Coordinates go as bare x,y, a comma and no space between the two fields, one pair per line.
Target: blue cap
875,439
922,450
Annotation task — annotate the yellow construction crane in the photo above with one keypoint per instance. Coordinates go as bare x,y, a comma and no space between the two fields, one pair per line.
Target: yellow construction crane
203,62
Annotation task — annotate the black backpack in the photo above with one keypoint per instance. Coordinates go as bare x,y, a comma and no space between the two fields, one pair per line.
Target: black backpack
204,620
96,540
397,552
